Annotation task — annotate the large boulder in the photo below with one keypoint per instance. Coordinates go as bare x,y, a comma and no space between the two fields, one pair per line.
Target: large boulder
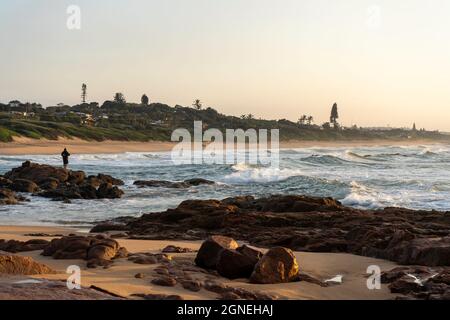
278,265
209,251
18,265
232,264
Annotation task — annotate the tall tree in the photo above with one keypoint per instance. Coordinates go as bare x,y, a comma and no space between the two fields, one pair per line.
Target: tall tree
302,119
83,93
310,120
119,98
144,99
334,115
197,104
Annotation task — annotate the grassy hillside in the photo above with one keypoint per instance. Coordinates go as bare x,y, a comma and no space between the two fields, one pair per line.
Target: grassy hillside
134,122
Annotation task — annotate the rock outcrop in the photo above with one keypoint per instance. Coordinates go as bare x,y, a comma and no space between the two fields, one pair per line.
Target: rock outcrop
98,250
304,223
59,183
15,246
172,185
419,282
18,265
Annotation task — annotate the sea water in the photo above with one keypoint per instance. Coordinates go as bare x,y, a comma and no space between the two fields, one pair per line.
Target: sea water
416,177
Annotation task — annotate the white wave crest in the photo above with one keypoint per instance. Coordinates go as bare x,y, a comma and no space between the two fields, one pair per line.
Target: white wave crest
246,174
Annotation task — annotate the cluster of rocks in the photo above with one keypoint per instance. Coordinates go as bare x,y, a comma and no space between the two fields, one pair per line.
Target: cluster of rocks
278,265
14,246
56,183
172,185
418,282
304,223
97,250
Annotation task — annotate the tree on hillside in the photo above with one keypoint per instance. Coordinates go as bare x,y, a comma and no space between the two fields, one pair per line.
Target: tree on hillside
302,120
414,127
83,93
334,115
310,120
144,100
119,98
197,104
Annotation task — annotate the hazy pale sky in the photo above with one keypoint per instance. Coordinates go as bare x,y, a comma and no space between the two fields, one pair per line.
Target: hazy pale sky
384,62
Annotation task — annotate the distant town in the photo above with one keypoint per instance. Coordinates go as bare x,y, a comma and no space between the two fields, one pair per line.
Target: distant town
118,119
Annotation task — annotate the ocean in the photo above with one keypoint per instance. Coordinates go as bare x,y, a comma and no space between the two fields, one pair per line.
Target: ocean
416,177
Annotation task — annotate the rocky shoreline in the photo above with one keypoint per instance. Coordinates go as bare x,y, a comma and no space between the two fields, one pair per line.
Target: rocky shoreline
418,240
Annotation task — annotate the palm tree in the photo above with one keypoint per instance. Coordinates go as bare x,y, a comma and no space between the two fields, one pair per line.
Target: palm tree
144,99
197,104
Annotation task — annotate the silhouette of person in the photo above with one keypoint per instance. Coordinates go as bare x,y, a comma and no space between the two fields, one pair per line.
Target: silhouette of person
65,155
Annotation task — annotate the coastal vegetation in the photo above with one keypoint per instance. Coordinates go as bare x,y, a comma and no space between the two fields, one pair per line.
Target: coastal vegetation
124,121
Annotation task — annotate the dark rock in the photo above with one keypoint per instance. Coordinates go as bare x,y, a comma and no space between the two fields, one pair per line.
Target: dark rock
139,276
15,246
99,250
192,285
209,251
158,297
175,249
278,265
108,191
23,185
104,178
37,173
232,264
308,224
109,227
172,185
251,253
165,281
76,177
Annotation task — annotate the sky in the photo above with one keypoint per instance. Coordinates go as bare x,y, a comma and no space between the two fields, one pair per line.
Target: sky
385,62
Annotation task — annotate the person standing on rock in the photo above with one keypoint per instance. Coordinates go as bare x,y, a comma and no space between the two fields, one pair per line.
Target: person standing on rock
65,155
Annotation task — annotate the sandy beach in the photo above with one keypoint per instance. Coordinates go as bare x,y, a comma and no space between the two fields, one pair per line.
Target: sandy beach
27,146
119,278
